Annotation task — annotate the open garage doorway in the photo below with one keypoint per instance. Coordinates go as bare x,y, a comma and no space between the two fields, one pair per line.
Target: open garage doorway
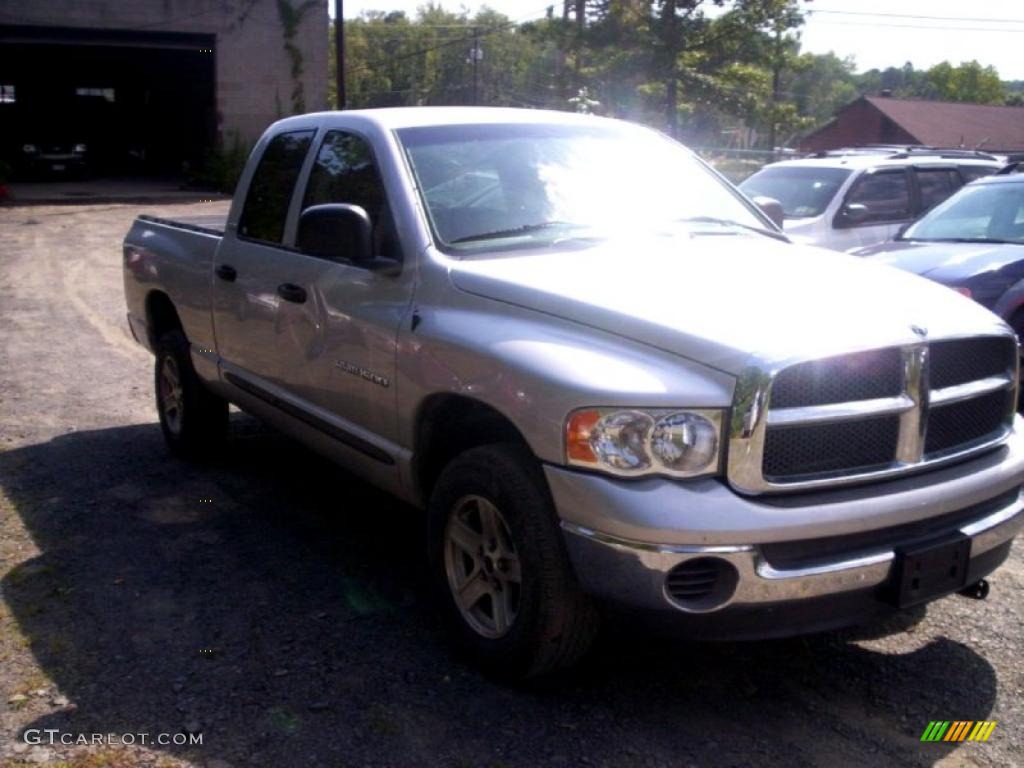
105,104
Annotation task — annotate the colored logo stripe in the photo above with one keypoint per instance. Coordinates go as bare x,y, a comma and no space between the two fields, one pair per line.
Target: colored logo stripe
982,731
958,730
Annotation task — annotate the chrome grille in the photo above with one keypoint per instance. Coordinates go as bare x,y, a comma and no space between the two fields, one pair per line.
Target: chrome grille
871,414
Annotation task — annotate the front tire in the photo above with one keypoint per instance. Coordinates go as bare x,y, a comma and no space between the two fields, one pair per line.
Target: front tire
193,419
506,589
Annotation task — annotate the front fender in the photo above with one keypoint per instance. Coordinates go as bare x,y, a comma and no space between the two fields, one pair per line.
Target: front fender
535,369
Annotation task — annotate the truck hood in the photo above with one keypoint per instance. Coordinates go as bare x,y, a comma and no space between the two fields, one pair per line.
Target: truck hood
945,262
726,300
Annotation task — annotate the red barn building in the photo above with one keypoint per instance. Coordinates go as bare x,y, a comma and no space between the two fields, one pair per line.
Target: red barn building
886,120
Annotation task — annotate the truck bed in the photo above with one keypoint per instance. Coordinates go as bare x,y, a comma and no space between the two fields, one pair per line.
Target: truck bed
206,223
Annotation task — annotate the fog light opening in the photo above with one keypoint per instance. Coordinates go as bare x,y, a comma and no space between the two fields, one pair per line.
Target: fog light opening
701,584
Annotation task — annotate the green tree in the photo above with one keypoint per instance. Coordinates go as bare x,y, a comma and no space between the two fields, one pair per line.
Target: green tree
968,82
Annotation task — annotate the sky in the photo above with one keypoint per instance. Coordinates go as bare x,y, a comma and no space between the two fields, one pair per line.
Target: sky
877,33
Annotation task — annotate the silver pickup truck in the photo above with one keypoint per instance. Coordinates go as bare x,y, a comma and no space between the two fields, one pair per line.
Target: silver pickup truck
606,376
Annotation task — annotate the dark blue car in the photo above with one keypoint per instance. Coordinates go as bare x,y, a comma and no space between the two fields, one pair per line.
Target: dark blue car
973,242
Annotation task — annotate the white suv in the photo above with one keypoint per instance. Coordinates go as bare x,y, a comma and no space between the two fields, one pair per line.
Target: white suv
851,198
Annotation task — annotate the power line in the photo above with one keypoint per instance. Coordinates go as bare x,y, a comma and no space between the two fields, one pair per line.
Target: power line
918,27
815,11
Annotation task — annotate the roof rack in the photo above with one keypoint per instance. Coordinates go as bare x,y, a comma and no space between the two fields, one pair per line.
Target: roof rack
901,151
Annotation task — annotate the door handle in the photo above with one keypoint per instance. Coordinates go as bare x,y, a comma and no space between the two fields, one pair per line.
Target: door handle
292,292
226,272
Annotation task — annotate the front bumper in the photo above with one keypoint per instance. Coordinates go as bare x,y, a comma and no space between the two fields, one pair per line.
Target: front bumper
798,563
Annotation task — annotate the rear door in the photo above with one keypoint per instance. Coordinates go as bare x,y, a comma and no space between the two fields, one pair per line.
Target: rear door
934,184
254,265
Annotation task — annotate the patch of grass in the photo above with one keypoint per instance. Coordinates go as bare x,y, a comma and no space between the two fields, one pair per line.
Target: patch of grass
283,719
33,682
57,645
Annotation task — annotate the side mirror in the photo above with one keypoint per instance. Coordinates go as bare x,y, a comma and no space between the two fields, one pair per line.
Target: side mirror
902,230
771,208
342,232
856,213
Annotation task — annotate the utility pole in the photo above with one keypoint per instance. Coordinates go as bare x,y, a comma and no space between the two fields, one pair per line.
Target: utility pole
339,51
476,55
671,47
581,22
776,81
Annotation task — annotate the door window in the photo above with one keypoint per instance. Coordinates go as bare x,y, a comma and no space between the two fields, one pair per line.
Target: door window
270,192
885,195
345,172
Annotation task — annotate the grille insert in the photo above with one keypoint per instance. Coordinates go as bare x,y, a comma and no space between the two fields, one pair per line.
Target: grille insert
861,376
821,448
958,361
959,424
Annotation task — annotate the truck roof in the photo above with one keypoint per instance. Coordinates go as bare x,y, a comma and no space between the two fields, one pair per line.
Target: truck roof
856,161
392,118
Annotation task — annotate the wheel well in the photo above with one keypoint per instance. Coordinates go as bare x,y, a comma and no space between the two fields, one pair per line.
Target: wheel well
161,316
452,424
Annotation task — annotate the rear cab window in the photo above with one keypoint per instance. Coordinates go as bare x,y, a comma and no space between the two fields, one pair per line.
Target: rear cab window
272,185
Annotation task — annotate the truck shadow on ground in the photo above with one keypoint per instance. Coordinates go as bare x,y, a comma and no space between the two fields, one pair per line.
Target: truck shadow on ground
278,606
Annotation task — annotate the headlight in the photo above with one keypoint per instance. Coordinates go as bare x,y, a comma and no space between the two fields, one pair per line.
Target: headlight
633,442
79,148
28,149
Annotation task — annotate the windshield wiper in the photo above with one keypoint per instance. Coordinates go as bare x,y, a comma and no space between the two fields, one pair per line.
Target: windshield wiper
525,229
731,223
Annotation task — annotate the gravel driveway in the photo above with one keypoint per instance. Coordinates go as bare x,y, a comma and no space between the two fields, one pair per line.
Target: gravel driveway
275,606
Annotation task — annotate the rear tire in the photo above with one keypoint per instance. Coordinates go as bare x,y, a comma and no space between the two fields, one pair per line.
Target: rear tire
193,419
506,589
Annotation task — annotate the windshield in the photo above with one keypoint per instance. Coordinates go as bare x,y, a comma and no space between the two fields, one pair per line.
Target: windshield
983,213
803,192
490,187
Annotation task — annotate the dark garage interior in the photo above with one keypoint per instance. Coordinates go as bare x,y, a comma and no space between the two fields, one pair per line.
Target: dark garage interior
110,103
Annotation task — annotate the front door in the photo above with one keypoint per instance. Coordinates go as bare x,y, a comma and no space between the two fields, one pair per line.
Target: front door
319,335
886,196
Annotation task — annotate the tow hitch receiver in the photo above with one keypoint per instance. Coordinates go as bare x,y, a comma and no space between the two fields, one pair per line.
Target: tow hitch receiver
978,590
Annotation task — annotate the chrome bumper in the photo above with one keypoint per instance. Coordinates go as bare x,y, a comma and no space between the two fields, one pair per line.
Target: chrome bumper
638,577
624,538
